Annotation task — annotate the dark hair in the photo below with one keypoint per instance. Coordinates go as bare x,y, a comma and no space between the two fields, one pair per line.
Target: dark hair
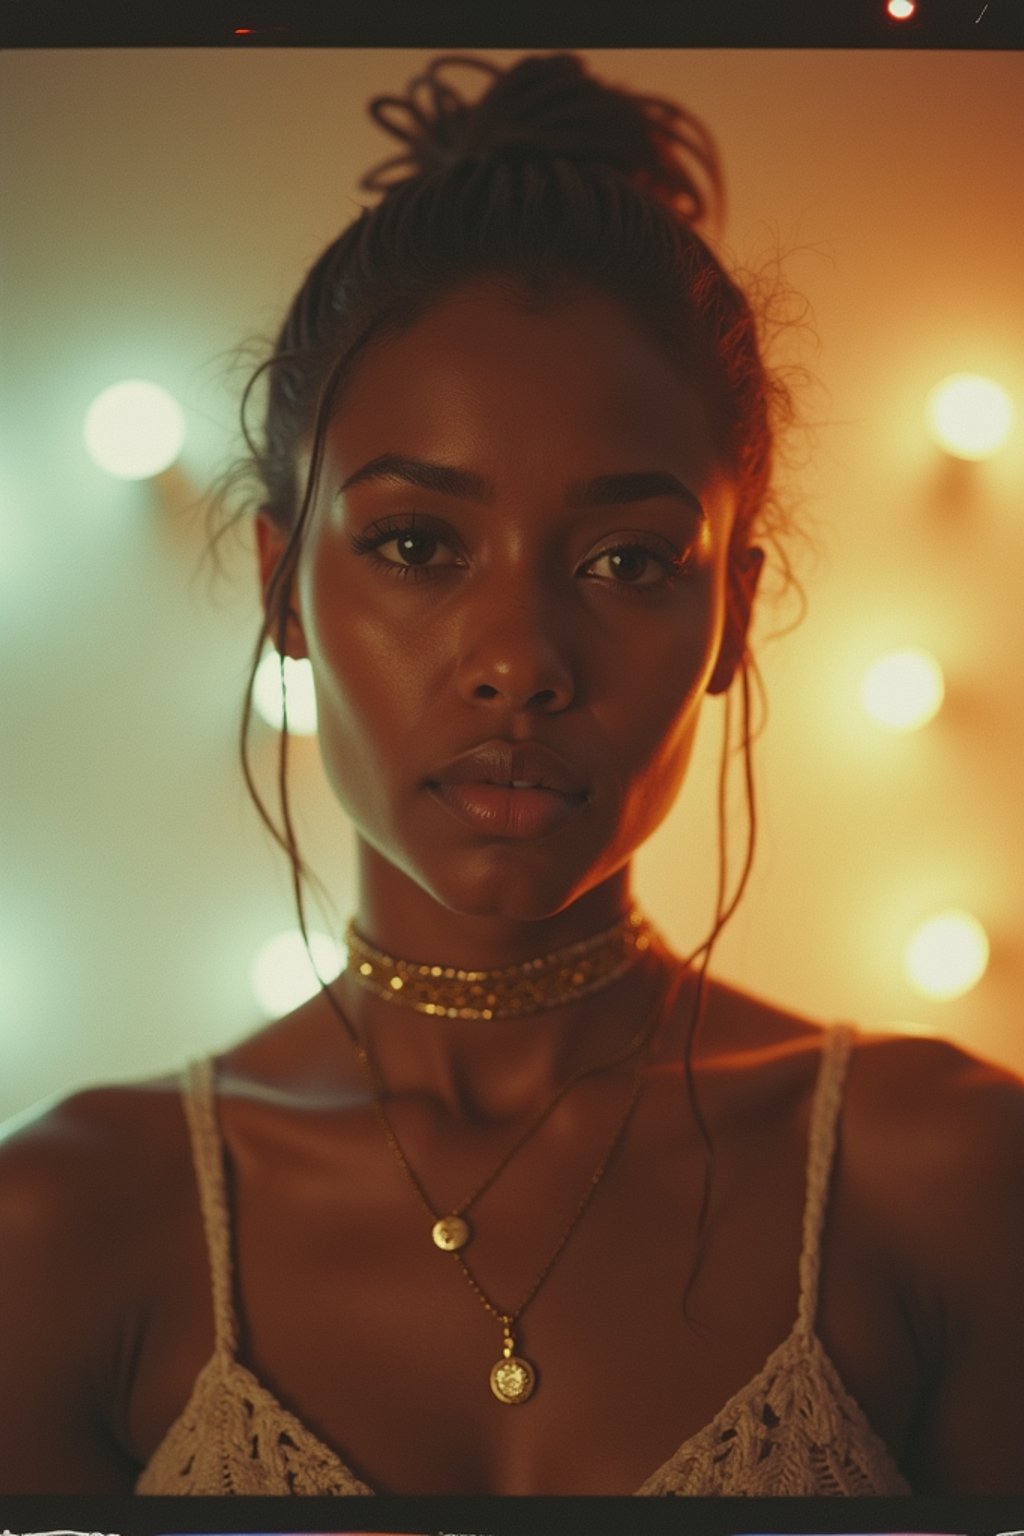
551,179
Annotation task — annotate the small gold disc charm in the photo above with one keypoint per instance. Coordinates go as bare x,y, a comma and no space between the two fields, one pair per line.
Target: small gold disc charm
451,1232
512,1379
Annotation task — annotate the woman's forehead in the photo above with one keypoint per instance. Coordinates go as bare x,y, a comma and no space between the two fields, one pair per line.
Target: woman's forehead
464,321
477,361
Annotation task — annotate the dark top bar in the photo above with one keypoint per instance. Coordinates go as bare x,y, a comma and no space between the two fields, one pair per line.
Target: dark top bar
526,24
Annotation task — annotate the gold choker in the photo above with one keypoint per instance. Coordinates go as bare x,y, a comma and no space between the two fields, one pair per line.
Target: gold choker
530,987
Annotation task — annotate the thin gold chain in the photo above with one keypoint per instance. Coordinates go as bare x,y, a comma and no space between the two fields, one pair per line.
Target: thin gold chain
588,1070
506,1319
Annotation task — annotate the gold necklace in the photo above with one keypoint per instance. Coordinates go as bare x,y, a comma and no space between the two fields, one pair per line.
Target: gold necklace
513,1378
529,987
453,1231
548,982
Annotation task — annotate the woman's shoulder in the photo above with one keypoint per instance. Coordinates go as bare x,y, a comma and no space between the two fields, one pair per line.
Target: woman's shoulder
76,1196
75,1162
934,1092
887,1067
920,1103
915,1105
941,1153
934,1133
91,1184
931,1142
92,1137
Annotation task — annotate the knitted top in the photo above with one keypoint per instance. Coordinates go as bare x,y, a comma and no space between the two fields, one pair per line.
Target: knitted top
793,1429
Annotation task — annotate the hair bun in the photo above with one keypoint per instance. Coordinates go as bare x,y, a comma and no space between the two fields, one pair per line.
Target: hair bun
548,105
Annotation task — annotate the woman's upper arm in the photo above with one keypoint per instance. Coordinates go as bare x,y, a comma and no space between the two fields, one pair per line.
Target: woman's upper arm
970,1436
57,1311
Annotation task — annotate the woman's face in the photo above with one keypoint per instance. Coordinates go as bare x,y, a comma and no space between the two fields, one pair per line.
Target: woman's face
517,618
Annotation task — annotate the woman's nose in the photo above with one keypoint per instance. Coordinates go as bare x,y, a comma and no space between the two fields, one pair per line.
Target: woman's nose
516,645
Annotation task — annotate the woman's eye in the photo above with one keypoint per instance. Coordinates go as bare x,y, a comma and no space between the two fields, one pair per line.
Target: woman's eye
410,539
416,547
633,563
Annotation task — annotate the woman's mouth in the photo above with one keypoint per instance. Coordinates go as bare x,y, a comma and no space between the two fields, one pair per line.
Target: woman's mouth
508,810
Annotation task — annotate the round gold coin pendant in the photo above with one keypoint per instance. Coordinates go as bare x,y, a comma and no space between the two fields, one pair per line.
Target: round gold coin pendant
451,1232
513,1379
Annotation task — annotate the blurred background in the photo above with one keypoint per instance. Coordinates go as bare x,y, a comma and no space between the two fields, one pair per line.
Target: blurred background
162,207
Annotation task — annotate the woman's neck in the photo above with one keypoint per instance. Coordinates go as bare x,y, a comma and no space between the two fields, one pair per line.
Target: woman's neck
490,1070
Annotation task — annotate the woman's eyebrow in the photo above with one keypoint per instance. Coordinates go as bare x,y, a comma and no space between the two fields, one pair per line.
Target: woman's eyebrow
449,480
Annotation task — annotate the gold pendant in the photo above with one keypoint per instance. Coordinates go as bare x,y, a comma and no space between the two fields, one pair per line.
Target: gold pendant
513,1378
451,1232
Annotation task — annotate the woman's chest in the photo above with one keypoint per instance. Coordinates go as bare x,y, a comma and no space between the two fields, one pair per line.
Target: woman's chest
383,1345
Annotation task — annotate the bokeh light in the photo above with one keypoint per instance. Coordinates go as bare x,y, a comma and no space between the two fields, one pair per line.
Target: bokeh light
903,690
134,430
268,699
969,416
281,975
947,955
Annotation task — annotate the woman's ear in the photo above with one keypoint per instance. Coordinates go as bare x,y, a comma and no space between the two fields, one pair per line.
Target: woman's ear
271,541
744,578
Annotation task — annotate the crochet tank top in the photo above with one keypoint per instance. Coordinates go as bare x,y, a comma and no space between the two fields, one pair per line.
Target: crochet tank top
793,1429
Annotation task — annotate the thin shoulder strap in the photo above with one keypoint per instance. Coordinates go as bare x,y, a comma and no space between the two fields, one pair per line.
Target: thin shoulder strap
207,1155
837,1046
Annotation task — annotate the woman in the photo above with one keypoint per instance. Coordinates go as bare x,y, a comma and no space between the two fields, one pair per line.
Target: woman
523,1202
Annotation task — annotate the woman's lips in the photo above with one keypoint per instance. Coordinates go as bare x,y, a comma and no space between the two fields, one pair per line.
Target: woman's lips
505,812
501,762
